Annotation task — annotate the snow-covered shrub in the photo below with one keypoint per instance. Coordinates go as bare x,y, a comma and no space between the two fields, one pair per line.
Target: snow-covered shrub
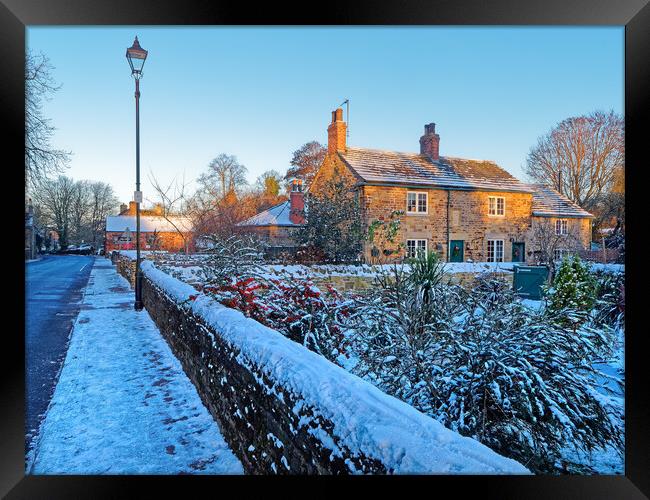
231,259
521,383
305,314
610,298
573,289
399,327
483,364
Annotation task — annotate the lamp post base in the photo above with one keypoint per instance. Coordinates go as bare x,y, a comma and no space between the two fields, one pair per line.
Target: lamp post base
138,305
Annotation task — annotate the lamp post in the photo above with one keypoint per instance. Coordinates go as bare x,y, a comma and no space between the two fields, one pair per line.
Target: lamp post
136,56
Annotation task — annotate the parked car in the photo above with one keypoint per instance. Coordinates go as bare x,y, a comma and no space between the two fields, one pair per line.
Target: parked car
84,249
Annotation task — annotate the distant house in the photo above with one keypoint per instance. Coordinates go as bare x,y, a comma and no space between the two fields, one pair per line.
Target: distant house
277,226
171,233
463,209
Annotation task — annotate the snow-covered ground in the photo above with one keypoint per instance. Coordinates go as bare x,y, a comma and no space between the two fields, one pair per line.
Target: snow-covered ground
123,404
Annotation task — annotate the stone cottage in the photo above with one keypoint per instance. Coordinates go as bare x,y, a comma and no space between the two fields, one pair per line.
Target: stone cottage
171,233
466,210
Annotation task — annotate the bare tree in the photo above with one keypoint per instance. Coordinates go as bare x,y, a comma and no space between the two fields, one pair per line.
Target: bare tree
172,201
580,156
102,203
547,243
55,198
41,158
305,162
225,175
79,211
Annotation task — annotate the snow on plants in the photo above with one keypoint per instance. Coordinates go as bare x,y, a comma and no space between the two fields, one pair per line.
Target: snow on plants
487,366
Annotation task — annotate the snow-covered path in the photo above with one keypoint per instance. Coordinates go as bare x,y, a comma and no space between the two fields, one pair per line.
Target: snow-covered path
123,404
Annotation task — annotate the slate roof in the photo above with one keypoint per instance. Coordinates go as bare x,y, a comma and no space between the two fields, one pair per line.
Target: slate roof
412,169
148,223
277,215
548,202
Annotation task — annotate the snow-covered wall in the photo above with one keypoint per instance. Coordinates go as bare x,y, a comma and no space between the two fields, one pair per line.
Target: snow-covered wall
285,409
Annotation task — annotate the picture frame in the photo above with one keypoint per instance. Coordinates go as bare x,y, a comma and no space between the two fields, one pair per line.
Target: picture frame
16,15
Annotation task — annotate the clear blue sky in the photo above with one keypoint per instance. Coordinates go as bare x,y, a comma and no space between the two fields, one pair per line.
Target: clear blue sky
260,93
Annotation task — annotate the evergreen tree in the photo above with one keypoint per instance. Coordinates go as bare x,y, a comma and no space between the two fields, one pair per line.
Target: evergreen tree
333,221
573,293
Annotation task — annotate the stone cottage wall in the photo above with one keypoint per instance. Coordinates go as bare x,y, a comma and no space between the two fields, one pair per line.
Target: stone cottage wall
472,223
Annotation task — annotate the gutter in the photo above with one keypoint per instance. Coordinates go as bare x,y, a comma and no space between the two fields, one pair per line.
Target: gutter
448,203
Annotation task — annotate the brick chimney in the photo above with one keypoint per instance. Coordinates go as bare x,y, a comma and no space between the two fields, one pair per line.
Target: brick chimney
296,203
132,208
123,208
430,142
336,132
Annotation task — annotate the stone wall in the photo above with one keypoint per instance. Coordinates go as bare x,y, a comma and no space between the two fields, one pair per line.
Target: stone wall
256,417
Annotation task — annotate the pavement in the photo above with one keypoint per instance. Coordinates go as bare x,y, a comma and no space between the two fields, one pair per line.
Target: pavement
53,290
123,404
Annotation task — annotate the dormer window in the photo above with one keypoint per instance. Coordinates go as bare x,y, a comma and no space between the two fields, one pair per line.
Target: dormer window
416,202
496,206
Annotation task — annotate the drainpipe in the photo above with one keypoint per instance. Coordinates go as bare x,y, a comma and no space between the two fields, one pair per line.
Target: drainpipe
448,203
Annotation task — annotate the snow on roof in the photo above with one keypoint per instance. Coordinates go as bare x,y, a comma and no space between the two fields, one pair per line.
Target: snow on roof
277,215
365,419
392,167
148,223
548,202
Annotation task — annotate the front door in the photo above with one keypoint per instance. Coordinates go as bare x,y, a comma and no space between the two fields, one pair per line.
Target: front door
518,252
456,250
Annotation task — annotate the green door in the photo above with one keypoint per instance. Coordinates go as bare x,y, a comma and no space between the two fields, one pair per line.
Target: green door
518,254
456,250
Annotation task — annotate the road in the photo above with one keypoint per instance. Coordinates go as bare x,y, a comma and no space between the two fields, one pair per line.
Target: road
53,292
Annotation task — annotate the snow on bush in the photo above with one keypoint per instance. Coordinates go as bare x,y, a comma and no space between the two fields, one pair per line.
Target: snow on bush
485,365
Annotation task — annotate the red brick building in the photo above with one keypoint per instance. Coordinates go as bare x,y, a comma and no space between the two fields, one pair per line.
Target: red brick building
171,233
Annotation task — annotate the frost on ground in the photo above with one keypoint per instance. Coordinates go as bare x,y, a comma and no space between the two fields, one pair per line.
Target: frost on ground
123,404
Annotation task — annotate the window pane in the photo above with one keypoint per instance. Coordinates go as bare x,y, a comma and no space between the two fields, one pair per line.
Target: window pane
410,202
492,208
422,247
410,248
499,250
422,202
500,206
490,251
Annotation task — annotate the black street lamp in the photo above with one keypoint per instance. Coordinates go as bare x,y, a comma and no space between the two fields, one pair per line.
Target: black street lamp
136,56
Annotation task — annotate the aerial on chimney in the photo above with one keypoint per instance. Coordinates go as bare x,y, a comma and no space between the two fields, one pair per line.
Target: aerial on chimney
336,132
430,142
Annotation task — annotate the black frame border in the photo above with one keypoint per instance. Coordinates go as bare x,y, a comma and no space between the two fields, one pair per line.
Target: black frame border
15,15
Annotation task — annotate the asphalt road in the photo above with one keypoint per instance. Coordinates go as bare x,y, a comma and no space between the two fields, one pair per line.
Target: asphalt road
53,291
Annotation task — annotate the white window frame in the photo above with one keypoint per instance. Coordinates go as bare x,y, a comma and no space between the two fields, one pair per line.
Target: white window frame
562,227
494,251
417,203
560,253
496,206
415,247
